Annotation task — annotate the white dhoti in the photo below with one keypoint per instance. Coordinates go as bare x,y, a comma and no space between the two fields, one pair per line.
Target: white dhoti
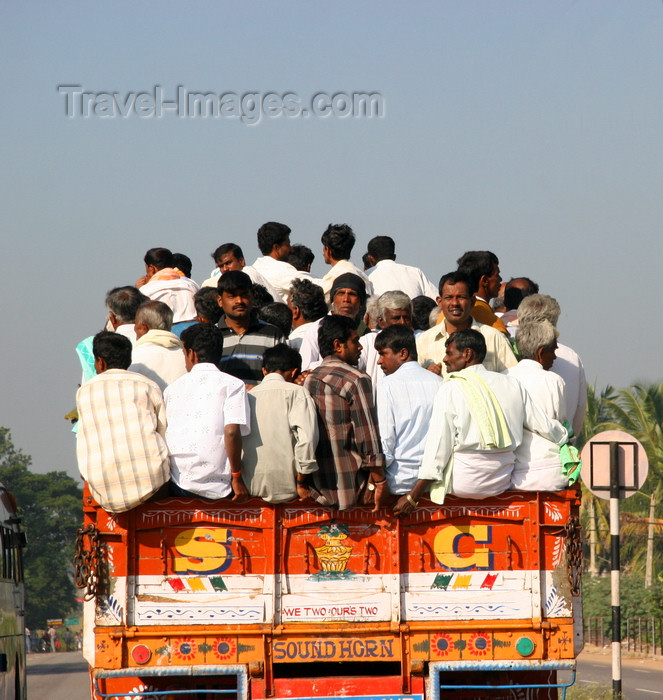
481,474
539,475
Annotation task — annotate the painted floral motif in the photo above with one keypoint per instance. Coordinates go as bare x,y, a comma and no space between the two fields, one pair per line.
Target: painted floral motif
224,648
441,644
479,644
185,648
137,693
553,512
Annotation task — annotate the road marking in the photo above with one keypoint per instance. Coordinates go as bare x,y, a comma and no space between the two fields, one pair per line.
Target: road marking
644,690
590,682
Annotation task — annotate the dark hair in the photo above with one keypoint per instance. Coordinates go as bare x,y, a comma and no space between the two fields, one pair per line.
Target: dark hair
476,264
396,338
182,263
382,248
261,297
206,340
340,239
301,257
309,298
124,302
228,248
234,281
333,328
159,257
281,358
206,301
457,277
278,314
514,295
469,338
114,348
421,308
368,263
270,234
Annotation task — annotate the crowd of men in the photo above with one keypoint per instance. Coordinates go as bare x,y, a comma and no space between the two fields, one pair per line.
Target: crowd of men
369,386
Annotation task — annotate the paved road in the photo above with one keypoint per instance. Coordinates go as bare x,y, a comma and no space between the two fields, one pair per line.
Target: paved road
59,676
64,676
642,679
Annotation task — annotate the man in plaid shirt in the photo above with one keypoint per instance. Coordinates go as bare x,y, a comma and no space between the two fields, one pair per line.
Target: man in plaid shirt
349,450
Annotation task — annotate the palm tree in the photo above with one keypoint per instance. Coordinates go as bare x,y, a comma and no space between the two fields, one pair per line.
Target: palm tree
638,410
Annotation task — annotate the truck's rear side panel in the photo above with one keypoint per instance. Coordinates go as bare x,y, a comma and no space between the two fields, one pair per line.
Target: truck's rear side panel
286,601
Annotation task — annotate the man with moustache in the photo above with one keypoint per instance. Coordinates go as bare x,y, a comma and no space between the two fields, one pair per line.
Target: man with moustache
245,338
456,301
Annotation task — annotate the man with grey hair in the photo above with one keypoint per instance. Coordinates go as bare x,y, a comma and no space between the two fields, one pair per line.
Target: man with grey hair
567,364
538,466
122,304
391,309
158,353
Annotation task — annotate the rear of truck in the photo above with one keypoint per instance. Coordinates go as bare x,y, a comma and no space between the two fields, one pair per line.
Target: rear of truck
469,599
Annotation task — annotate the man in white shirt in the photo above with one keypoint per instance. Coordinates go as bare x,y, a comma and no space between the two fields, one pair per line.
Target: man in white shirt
338,240
122,304
307,303
162,282
540,307
392,309
538,466
229,257
387,275
274,244
207,413
348,298
405,398
157,353
477,423
456,301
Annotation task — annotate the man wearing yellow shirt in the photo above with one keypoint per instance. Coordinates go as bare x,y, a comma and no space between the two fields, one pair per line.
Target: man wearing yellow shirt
483,269
456,301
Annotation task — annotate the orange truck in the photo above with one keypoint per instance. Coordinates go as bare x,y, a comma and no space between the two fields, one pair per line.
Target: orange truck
207,599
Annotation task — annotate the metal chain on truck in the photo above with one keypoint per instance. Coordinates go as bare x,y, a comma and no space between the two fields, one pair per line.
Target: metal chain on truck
87,561
574,554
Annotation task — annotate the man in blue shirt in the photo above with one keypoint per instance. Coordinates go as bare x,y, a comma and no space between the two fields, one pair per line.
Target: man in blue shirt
405,404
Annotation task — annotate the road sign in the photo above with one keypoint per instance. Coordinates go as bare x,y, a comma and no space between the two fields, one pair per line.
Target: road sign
631,459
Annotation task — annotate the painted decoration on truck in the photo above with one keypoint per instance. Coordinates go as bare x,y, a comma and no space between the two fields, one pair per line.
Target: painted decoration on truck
336,649
109,611
196,614
202,550
334,554
450,540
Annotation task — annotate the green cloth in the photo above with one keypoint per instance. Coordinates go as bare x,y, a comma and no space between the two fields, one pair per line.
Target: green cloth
570,458
86,358
84,351
485,410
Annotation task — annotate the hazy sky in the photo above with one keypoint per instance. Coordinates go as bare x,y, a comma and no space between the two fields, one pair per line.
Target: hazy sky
531,129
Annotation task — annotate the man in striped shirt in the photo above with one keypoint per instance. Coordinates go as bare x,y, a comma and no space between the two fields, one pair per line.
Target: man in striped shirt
245,338
120,447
